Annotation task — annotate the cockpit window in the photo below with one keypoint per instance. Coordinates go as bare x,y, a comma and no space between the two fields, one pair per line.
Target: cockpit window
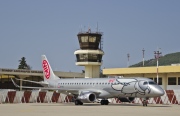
152,83
145,83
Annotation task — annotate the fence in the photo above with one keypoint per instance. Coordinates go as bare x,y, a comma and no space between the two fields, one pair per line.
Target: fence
8,96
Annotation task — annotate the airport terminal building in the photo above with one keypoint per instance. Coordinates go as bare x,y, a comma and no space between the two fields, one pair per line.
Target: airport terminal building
32,75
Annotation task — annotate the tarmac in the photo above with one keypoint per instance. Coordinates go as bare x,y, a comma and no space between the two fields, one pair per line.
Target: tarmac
91,109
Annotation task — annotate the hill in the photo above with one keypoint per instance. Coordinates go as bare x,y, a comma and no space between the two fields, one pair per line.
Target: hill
168,59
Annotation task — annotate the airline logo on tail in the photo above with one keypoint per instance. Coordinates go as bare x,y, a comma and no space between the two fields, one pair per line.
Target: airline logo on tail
46,69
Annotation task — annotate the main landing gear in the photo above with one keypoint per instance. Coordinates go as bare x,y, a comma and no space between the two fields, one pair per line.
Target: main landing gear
104,102
78,102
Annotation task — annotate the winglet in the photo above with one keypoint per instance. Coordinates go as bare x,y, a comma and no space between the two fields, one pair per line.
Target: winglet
14,83
26,86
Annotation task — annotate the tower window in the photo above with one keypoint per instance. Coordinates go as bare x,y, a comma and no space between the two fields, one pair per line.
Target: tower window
92,39
84,38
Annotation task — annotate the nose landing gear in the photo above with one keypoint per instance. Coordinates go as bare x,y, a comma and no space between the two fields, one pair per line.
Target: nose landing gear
145,101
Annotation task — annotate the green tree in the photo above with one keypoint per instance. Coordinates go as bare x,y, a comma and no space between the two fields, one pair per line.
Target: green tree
23,64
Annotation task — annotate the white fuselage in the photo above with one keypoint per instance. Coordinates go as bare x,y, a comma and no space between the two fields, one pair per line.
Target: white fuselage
110,87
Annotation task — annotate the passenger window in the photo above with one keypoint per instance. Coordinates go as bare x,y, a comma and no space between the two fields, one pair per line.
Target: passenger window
152,83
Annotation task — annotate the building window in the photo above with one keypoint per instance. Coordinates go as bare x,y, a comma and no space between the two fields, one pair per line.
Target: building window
171,80
159,80
92,39
83,56
178,80
84,39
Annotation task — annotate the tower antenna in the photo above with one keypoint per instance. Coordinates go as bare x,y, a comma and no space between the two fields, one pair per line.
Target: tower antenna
81,28
97,27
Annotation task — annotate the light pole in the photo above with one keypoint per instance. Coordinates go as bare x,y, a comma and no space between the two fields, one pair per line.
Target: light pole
143,55
157,56
128,55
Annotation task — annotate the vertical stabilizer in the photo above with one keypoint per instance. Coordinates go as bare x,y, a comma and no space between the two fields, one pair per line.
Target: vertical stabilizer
48,73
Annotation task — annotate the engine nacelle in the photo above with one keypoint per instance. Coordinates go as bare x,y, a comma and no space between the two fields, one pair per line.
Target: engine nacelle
126,99
87,97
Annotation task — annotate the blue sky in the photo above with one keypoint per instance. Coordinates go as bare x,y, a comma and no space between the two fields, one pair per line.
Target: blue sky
31,28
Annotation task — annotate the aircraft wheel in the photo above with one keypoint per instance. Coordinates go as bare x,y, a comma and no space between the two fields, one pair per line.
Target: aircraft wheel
106,102
102,102
76,102
144,103
80,103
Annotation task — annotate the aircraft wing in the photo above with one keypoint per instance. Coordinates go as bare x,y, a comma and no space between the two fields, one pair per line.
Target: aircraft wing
41,83
61,90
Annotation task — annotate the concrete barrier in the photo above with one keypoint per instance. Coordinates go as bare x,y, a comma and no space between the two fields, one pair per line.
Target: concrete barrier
36,96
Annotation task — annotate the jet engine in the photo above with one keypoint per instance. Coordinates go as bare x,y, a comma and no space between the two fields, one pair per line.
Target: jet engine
87,97
126,99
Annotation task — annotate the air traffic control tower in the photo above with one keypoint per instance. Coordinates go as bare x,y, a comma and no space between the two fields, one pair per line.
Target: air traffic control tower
90,53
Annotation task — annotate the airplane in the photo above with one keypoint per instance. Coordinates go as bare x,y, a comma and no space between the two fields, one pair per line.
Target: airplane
88,90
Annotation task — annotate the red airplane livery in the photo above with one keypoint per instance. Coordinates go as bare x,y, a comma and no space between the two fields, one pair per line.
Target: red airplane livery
46,69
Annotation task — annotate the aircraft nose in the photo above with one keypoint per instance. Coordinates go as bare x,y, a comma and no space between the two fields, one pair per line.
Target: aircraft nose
159,91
